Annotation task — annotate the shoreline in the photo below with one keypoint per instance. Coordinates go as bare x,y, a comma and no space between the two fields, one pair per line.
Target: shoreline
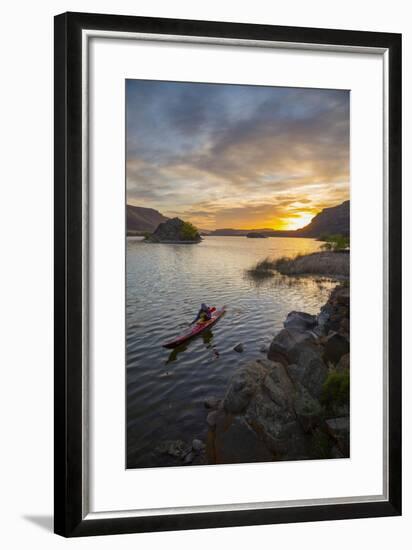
335,265
292,404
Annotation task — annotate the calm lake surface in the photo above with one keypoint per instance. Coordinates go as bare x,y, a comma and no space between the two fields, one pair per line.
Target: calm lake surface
166,284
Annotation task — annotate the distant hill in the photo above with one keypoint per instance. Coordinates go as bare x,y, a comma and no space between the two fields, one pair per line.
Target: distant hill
330,221
141,220
228,232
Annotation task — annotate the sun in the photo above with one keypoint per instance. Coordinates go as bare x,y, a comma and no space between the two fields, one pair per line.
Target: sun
302,219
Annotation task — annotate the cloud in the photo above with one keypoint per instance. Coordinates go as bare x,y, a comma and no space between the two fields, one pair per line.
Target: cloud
242,150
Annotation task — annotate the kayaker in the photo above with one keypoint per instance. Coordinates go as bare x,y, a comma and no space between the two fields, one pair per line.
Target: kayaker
204,314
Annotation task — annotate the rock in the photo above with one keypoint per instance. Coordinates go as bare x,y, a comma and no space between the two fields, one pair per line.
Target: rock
243,385
334,315
308,369
319,331
175,230
308,410
238,442
278,385
212,402
211,419
284,342
239,348
255,235
344,362
272,407
263,349
338,428
271,414
335,452
336,345
344,326
324,316
198,445
200,459
189,458
177,448
342,296
300,320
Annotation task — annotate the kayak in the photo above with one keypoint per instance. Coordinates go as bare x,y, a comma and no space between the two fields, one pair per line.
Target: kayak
196,329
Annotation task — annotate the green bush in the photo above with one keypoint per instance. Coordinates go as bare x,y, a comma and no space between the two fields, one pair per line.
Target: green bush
335,242
188,232
335,390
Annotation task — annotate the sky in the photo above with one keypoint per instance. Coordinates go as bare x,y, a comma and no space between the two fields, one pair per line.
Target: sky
237,156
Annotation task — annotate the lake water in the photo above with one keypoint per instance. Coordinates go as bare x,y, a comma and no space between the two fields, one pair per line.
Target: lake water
165,286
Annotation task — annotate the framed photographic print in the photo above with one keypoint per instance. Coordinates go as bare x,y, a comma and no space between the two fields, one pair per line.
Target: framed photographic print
227,274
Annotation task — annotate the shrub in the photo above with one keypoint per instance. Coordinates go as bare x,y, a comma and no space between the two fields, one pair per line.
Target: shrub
188,231
335,242
335,390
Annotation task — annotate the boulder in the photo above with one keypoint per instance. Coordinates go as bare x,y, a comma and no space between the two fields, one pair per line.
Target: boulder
300,320
212,402
344,362
324,315
285,341
338,428
271,413
308,410
177,448
334,315
242,387
342,296
336,452
200,459
238,442
344,327
336,346
211,419
239,348
198,445
189,458
308,369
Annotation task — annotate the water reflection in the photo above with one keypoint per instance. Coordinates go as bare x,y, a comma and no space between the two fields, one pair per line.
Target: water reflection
206,336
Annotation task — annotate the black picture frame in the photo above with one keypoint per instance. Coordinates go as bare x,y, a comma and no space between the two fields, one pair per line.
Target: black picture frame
68,493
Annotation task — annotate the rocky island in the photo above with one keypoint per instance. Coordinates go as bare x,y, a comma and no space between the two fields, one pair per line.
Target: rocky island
175,231
256,235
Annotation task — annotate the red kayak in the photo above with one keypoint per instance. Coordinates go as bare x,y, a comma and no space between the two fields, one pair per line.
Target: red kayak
196,329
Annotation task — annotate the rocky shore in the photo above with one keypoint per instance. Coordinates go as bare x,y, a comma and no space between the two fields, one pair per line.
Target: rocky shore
294,404
291,405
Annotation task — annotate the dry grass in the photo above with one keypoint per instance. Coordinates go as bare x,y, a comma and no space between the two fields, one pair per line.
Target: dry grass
330,264
264,268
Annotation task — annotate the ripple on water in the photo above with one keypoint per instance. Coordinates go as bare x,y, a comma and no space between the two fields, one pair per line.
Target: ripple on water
165,286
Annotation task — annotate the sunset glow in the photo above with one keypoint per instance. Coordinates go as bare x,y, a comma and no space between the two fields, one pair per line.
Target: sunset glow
231,156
